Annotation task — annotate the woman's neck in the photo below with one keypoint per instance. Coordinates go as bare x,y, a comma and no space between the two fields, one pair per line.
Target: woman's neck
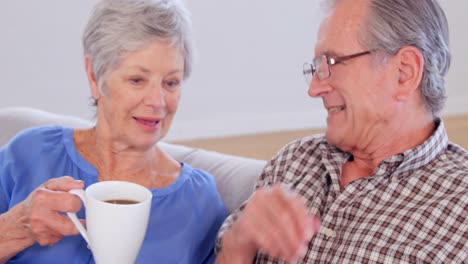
115,161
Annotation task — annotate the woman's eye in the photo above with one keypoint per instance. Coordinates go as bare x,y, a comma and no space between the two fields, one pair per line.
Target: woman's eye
136,81
172,84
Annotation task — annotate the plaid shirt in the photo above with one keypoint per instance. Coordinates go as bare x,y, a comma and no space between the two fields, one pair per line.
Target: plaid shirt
413,209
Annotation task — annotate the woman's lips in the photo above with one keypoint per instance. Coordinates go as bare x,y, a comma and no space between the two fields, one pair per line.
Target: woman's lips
148,122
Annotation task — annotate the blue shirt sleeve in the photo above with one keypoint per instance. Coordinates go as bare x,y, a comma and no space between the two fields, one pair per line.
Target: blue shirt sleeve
13,154
3,192
17,159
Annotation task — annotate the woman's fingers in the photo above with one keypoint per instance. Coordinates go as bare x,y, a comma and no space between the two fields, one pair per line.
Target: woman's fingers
55,200
44,208
65,184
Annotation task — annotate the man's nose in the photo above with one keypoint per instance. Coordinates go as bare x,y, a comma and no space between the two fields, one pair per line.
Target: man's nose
318,88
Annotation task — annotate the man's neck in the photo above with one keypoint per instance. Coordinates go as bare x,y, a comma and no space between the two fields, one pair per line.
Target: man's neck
396,139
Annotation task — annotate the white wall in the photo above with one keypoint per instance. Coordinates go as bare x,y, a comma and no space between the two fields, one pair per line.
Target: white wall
247,77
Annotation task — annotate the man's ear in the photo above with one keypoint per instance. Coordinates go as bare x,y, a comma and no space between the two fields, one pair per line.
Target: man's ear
93,84
411,64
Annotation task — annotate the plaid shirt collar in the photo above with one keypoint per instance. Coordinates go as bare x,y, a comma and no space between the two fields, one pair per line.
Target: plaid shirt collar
398,164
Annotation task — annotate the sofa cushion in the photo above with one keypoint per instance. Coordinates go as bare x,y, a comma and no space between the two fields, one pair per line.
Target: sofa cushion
235,176
15,119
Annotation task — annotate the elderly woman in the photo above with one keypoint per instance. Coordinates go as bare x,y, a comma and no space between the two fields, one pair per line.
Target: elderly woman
137,54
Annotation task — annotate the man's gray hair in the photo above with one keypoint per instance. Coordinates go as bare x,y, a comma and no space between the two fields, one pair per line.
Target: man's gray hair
118,27
393,24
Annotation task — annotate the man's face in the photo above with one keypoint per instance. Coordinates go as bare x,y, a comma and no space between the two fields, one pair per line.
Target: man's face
359,94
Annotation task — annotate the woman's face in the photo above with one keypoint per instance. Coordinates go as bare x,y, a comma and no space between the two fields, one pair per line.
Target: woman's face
140,96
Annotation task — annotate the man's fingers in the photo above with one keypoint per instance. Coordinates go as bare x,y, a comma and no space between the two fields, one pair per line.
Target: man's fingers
314,223
278,222
271,238
289,213
302,220
296,217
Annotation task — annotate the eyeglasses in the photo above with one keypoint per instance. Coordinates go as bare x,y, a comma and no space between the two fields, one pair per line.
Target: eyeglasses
321,65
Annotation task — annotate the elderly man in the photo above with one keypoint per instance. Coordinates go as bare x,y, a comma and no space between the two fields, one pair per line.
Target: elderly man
384,182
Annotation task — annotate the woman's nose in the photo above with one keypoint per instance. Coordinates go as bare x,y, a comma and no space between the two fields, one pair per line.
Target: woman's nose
155,96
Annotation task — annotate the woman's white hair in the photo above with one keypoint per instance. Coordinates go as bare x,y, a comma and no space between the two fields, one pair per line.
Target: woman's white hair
118,27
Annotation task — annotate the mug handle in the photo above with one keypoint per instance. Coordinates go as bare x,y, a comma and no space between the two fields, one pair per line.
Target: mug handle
80,193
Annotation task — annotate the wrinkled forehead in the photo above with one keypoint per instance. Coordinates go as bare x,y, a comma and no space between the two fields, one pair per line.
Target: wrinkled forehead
339,30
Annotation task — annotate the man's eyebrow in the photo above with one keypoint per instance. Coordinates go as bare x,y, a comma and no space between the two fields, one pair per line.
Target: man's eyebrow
331,53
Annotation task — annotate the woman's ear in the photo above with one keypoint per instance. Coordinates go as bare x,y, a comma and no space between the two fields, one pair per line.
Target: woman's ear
93,84
411,64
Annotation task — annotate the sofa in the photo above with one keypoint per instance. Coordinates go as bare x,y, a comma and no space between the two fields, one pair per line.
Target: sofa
235,176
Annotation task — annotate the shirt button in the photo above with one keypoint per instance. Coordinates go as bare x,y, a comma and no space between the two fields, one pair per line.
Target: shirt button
329,232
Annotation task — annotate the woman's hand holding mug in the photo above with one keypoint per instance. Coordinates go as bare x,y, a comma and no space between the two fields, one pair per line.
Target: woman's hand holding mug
41,211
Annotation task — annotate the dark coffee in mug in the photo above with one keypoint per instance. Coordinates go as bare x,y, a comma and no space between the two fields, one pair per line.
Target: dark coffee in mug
121,201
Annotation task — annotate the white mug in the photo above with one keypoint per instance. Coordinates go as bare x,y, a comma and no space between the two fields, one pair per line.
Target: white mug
114,232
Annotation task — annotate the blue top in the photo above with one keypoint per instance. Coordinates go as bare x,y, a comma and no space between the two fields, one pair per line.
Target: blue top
185,216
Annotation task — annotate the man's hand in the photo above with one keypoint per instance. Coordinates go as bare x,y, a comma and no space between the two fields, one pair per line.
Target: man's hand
275,221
